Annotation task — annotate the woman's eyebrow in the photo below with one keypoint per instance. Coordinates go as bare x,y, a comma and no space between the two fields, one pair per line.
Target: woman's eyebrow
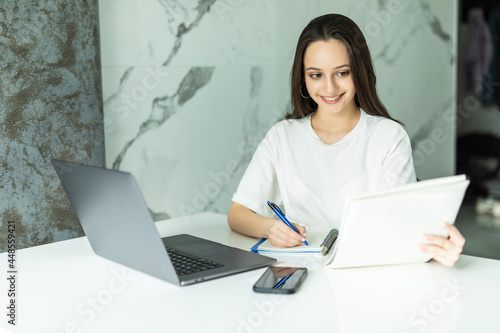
317,69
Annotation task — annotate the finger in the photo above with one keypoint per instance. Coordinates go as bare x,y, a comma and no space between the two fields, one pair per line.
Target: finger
276,241
455,235
440,254
300,228
282,235
446,260
289,232
443,254
432,250
444,242
441,241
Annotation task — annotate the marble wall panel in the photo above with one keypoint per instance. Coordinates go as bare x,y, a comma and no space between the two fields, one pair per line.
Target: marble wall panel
50,107
190,87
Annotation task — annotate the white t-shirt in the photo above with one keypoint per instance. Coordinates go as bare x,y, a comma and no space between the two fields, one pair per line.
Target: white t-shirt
295,169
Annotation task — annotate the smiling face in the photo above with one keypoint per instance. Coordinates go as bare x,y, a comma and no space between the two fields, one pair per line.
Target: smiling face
328,77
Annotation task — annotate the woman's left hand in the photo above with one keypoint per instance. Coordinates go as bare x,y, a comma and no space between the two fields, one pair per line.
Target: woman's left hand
442,249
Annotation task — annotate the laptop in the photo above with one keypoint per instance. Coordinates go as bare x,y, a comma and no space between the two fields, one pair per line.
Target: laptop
385,227
119,227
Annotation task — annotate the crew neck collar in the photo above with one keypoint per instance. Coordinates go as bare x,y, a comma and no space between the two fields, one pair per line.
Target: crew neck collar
342,141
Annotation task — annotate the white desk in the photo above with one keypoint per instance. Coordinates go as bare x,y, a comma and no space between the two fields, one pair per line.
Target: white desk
65,287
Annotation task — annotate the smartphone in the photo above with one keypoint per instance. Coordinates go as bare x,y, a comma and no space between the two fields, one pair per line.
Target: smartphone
280,280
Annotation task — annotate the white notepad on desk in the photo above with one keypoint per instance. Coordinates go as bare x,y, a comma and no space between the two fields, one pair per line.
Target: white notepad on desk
385,227
320,242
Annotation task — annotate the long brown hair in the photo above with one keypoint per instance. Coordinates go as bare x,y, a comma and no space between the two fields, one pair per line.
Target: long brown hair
343,29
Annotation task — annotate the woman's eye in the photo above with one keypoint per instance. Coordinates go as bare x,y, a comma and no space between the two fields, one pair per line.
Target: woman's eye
343,74
315,76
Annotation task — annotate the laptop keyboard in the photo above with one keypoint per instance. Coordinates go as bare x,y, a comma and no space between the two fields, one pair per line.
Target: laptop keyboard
186,264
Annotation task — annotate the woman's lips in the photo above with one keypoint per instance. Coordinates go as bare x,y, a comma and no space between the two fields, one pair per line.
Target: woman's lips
332,100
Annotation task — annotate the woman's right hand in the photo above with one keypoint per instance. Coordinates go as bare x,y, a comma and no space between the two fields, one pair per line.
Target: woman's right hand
247,222
282,235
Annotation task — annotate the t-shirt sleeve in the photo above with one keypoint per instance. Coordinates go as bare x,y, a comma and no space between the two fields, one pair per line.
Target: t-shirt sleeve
397,166
259,183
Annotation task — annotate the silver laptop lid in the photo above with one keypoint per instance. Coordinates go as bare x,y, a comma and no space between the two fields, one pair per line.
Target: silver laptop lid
115,218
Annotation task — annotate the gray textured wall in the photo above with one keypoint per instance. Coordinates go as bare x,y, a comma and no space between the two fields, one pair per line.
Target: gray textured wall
50,107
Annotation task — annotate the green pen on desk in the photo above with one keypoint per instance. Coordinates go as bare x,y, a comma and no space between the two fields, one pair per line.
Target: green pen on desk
280,214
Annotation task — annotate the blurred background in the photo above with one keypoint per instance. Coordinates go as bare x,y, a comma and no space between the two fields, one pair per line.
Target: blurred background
180,93
477,124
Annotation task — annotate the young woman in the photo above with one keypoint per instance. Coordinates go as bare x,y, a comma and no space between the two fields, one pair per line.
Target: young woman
339,140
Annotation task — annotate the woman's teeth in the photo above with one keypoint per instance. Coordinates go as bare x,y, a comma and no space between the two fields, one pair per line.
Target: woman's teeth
332,99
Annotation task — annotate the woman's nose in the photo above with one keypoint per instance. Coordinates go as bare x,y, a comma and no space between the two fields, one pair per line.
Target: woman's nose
330,86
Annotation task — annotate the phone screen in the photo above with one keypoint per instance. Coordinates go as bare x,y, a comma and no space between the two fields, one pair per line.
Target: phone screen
280,280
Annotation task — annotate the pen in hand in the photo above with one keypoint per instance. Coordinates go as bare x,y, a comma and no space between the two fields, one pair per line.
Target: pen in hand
280,214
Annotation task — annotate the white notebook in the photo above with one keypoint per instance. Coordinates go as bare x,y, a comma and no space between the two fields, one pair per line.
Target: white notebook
384,228
320,242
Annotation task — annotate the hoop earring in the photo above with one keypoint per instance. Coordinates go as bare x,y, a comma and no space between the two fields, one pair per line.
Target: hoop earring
300,90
